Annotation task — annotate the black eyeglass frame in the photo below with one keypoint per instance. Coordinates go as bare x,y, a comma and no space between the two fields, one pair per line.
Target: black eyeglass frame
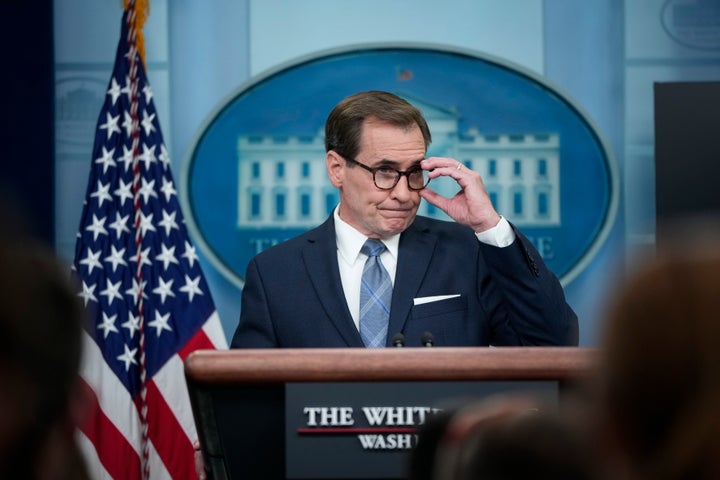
398,175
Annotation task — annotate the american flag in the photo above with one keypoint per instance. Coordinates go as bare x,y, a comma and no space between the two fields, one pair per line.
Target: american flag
148,303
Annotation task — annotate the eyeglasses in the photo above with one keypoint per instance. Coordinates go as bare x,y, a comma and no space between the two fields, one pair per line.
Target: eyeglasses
386,178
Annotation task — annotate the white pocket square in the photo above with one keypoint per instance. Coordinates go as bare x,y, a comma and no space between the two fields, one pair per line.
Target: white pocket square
435,298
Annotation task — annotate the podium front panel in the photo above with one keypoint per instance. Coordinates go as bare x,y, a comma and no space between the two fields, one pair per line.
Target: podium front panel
350,414
367,430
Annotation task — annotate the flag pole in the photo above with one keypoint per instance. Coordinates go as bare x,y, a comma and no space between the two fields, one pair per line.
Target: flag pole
137,14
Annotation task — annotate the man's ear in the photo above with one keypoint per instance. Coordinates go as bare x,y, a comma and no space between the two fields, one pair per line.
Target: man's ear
335,165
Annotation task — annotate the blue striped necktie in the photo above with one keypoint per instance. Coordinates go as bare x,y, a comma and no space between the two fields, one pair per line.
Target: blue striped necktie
375,296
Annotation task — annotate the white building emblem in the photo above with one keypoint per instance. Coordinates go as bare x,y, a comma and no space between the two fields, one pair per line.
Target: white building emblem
282,181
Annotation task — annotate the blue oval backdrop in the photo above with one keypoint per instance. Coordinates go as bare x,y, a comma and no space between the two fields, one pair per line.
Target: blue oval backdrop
255,173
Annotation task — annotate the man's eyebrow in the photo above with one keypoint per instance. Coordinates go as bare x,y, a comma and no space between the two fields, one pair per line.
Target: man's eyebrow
386,162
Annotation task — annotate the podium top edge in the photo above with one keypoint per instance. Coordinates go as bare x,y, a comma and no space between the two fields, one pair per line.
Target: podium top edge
262,366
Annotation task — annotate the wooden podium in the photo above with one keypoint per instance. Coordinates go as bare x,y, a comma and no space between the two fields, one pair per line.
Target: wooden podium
304,413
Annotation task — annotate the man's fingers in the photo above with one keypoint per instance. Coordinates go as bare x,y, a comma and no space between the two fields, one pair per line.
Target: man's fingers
434,198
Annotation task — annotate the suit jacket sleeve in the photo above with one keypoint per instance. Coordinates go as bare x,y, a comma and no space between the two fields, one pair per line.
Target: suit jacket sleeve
528,306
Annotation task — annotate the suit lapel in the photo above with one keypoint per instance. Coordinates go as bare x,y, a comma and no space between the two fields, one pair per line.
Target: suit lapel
320,258
414,253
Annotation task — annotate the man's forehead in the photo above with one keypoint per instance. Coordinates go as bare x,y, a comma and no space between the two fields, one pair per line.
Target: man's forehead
383,141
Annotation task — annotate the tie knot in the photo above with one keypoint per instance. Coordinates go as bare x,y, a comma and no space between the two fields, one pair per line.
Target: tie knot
372,247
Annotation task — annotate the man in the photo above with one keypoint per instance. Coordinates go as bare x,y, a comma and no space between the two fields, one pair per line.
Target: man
476,281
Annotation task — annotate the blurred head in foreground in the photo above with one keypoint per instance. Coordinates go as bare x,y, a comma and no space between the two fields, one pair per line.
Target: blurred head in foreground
660,369
40,327
502,437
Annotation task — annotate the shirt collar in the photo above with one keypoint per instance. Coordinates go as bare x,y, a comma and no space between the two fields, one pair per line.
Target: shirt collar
350,241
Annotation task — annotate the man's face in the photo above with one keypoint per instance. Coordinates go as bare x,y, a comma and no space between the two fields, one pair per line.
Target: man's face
374,212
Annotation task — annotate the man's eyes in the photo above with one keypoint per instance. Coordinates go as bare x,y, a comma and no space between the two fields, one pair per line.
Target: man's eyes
388,170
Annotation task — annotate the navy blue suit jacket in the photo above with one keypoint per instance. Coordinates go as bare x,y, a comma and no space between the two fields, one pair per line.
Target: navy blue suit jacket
293,294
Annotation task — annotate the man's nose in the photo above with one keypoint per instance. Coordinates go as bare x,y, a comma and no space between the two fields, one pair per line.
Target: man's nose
401,190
